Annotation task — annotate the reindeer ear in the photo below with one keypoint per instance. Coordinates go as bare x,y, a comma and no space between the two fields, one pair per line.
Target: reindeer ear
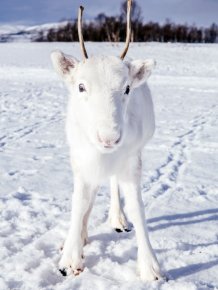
140,70
63,63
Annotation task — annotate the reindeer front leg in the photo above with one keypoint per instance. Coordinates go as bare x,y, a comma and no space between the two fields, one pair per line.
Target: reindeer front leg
71,260
116,215
130,184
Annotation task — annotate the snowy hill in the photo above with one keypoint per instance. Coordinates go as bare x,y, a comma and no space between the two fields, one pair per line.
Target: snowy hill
179,184
11,33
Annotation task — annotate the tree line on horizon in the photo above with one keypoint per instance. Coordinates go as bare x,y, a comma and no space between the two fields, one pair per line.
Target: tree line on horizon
113,29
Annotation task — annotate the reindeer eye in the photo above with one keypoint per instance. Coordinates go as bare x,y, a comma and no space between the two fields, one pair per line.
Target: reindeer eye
82,88
127,90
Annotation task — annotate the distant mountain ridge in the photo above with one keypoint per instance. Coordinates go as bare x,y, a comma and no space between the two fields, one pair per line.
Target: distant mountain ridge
22,33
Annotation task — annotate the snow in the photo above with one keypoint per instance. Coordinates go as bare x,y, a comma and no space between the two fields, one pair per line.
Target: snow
179,184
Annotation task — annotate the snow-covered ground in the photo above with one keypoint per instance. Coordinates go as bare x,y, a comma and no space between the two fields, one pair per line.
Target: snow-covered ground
179,186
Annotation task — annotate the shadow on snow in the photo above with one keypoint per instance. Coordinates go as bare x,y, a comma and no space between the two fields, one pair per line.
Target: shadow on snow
194,218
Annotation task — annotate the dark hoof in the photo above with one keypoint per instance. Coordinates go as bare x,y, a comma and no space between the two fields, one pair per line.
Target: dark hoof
63,271
118,230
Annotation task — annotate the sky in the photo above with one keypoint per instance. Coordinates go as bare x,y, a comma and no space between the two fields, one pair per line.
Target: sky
31,12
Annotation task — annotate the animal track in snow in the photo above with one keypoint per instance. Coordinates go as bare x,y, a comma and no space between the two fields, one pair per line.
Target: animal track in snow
167,174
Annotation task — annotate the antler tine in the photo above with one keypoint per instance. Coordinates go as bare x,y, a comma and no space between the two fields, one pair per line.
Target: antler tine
81,41
128,28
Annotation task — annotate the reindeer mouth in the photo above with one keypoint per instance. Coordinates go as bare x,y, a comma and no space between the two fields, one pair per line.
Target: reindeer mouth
107,148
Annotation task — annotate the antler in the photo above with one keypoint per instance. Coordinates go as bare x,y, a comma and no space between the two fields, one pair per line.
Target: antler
128,29
81,41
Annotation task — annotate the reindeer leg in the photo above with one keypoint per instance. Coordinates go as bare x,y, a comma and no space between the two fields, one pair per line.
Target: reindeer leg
129,181
116,215
71,260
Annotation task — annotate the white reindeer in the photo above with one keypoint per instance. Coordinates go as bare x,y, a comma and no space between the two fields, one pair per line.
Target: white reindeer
110,118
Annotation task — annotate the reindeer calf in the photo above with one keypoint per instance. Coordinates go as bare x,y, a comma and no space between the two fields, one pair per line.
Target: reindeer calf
110,118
